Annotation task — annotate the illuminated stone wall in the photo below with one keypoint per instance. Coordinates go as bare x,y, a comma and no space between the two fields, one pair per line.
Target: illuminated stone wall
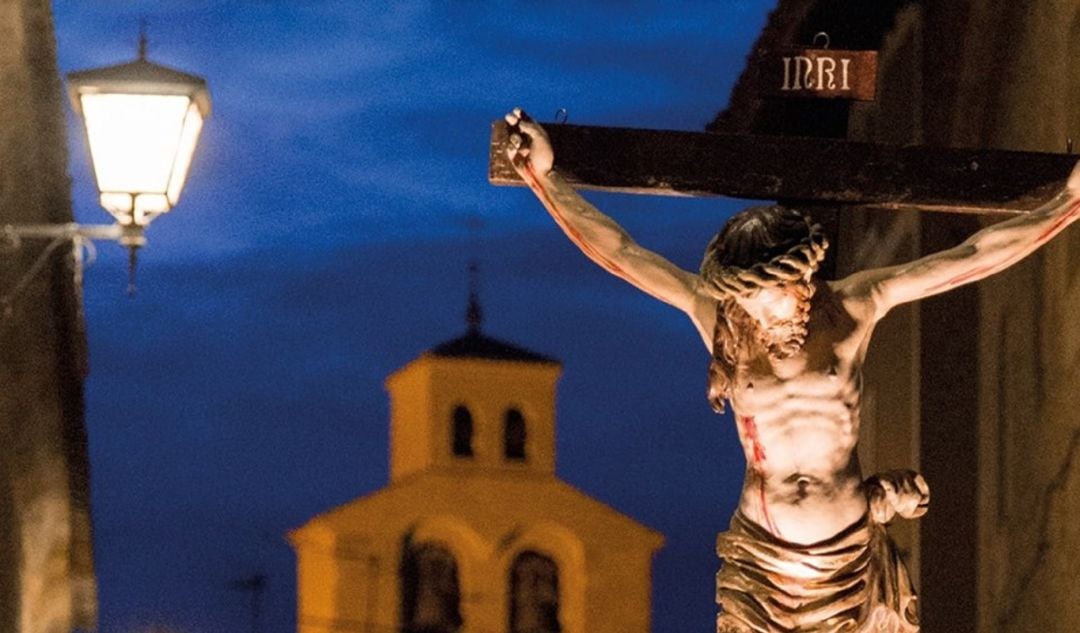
46,577
982,74
975,388
484,508
1029,493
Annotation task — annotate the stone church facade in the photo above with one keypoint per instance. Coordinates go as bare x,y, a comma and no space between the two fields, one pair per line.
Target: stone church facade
475,533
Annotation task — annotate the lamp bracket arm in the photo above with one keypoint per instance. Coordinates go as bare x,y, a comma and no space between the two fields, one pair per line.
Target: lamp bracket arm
80,236
14,233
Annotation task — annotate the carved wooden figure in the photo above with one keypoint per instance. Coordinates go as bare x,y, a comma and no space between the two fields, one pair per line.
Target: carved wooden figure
807,549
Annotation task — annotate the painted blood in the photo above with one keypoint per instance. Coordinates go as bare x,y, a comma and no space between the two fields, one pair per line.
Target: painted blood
758,459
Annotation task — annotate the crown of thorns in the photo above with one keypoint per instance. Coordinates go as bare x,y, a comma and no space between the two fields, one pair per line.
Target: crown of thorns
797,263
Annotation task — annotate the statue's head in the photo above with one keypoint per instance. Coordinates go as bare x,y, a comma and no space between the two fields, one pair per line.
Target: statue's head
760,267
763,247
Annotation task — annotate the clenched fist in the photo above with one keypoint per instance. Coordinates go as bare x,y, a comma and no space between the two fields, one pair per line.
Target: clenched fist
528,145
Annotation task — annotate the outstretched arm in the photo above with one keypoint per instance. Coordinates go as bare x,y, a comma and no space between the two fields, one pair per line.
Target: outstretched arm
985,253
597,235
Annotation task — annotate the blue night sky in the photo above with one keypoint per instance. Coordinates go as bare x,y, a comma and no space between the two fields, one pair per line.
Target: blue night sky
322,243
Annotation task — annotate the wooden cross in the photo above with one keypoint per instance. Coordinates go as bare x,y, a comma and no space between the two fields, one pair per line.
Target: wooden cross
806,170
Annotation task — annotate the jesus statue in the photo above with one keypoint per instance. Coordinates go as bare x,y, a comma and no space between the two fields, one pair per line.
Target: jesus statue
807,548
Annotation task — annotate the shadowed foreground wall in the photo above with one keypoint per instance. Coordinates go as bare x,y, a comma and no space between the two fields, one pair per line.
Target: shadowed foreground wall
46,576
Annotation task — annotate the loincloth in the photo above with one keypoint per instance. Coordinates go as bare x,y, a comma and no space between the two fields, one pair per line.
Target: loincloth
850,583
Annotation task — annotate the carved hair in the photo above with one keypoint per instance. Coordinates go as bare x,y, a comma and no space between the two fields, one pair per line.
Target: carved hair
763,247
760,247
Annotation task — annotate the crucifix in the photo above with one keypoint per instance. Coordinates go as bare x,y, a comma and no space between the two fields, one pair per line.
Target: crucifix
677,163
807,549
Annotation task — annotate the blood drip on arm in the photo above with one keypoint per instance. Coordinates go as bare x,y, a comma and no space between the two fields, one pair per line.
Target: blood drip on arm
983,271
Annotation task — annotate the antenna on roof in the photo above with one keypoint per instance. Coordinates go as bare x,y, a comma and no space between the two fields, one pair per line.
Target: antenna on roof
474,315
255,585
142,39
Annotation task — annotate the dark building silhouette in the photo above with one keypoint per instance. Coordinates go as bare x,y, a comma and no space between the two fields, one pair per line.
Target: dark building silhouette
46,572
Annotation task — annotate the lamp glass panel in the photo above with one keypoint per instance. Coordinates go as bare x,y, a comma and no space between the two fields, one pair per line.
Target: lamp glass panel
134,139
188,138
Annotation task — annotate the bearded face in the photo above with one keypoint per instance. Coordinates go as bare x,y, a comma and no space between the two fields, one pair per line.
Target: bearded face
758,268
781,315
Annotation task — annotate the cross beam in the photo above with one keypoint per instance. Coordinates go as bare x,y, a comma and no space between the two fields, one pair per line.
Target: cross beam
817,170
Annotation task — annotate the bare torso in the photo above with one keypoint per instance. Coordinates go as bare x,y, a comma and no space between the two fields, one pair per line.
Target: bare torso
798,418
798,421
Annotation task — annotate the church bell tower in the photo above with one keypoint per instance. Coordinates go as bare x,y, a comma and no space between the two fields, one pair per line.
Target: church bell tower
474,533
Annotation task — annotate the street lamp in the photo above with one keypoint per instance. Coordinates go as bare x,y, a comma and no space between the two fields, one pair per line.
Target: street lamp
142,123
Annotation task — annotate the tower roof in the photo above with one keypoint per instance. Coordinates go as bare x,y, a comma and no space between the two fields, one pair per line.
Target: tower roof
476,345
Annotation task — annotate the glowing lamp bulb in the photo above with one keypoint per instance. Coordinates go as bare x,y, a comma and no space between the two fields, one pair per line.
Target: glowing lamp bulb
142,124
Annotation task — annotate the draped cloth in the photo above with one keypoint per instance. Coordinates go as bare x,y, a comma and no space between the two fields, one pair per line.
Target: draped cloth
853,582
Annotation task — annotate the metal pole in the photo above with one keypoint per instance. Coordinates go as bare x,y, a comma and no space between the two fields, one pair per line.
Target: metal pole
255,593
254,584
